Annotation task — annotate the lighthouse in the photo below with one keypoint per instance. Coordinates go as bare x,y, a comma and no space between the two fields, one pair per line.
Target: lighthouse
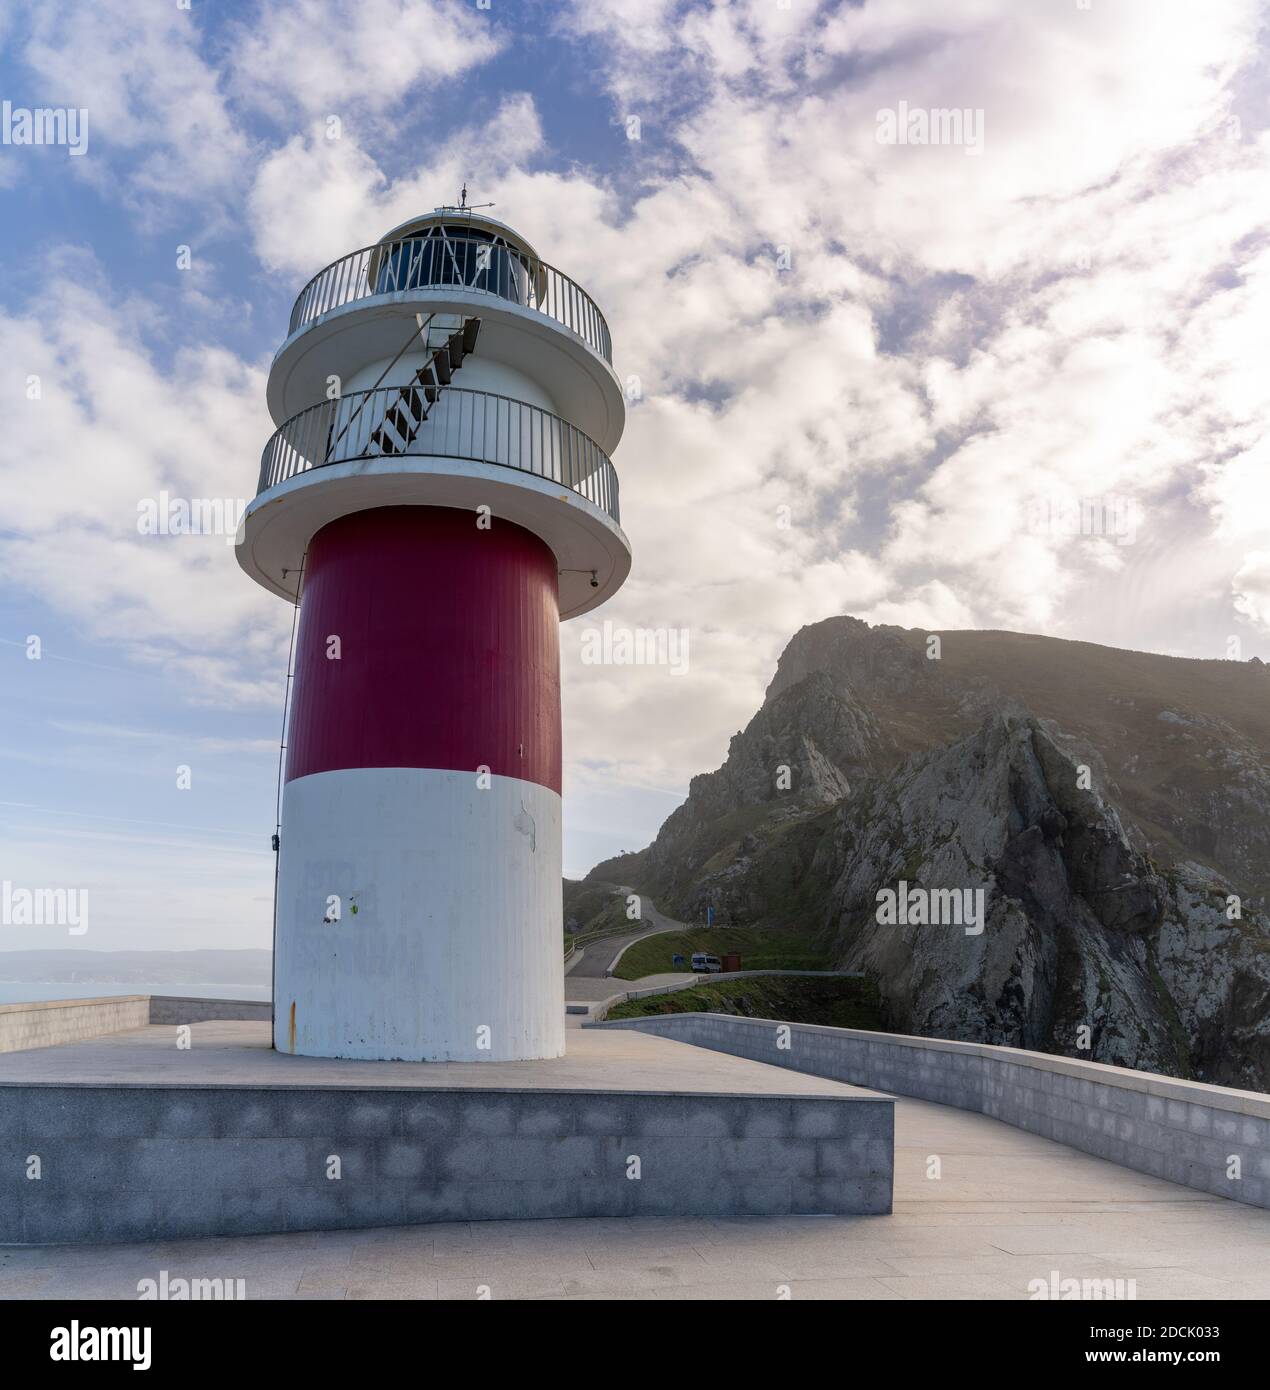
437,498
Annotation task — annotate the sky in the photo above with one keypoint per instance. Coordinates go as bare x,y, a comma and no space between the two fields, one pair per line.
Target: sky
1011,376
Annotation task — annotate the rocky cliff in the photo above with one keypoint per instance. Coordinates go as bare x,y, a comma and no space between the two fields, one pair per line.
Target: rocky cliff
1106,812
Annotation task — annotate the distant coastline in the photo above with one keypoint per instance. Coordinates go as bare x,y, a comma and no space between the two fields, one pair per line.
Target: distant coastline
30,976
32,992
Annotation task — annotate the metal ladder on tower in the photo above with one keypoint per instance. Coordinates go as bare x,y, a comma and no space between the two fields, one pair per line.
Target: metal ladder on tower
406,414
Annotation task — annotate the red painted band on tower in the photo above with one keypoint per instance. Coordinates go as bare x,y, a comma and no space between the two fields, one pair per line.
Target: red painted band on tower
449,647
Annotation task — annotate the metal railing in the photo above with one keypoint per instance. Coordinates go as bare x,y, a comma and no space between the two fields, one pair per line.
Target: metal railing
466,262
461,424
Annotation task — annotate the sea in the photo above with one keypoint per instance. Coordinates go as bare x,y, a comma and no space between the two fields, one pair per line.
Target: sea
26,992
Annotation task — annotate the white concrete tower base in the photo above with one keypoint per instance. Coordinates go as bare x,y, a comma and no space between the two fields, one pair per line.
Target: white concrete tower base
454,950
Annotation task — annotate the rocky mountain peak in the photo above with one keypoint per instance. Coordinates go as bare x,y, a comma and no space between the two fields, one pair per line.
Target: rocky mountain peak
1112,809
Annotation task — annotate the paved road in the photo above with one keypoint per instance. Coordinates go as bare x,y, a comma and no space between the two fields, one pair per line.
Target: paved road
599,954
1009,1208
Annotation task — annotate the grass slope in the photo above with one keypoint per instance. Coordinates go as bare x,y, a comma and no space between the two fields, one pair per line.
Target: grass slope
590,907
758,949
834,1003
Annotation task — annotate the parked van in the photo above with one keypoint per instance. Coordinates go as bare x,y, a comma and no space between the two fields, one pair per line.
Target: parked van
707,964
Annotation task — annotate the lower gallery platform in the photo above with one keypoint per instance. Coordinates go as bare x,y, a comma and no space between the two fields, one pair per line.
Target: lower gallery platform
138,1138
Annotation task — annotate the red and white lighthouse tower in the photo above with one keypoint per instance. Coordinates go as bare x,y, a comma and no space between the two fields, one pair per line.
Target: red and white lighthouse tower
439,496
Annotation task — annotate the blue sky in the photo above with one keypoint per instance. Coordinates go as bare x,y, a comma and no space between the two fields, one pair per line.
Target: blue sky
903,349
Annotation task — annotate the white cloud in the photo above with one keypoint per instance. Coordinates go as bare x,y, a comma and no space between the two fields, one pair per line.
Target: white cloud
314,199
149,94
1251,586
111,427
1097,341
327,57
